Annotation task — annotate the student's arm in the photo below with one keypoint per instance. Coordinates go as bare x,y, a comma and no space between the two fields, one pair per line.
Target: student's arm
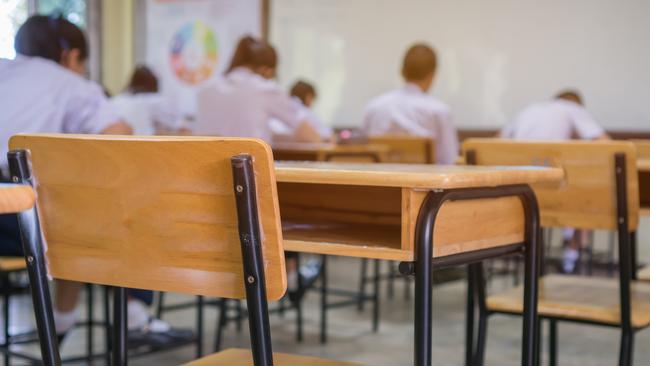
282,108
585,126
88,111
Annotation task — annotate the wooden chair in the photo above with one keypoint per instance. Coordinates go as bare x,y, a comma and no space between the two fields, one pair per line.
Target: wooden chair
407,149
600,192
195,215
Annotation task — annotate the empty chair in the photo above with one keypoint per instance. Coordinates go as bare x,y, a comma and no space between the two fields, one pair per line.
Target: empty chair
195,215
407,149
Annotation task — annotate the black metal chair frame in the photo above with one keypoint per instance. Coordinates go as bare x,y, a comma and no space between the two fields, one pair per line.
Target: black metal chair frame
475,347
244,190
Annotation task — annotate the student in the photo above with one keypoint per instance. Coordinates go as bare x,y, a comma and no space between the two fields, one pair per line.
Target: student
44,91
563,118
411,111
147,111
244,101
304,95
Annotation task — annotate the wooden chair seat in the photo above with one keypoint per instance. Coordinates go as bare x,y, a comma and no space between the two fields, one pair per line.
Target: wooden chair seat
10,264
579,298
644,274
243,357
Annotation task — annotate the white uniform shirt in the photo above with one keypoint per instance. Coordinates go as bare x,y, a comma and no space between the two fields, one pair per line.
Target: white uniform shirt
304,114
242,104
144,111
410,111
39,96
553,120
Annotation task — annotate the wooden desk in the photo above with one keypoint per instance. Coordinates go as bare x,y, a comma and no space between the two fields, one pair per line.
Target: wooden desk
643,165
15,198
330,152
412,213
370,210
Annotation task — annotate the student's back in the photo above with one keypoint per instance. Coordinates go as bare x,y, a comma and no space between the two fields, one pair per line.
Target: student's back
410,110
242,103
39,95
558,119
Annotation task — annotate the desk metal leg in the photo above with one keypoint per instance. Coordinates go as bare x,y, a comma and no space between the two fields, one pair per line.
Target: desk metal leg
469,317
323,301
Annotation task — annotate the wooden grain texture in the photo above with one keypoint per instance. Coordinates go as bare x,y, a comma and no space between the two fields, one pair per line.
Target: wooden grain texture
583,298
644,274
364,153
642,149
407,149
412,175
586,198
16,198
643,164
153,213
241,357
464,226
9,264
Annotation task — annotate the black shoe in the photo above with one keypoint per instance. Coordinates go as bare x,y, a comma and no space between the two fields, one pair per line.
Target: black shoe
308,273
153,336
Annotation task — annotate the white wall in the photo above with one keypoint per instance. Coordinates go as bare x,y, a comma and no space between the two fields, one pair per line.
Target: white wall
496,56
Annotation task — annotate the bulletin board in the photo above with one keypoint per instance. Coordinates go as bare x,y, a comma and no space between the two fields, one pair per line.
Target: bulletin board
190,42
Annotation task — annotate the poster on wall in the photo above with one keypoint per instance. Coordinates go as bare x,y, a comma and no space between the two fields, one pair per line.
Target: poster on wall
190,42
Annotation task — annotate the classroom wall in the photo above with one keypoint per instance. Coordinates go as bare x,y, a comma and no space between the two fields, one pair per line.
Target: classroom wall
117,43
495,56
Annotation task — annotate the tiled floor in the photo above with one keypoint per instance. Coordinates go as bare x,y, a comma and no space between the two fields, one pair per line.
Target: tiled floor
351,337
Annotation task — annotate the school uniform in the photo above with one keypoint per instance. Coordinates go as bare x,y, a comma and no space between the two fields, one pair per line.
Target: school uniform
304,114
242,104
410,111
554,120
145,112
40,96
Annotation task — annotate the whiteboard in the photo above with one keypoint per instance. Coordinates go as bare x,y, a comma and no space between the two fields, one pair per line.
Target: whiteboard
495,56
190,42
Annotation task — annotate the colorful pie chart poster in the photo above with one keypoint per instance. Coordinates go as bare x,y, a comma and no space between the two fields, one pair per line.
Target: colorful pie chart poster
194,53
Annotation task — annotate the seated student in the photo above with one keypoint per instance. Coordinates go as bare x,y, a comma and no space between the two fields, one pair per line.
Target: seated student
44,91
563,118
303,95
411,111
147,111
243,102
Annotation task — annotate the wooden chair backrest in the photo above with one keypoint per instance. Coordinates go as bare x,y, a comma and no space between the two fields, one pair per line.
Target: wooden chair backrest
587,197
154,213
407,149
642,148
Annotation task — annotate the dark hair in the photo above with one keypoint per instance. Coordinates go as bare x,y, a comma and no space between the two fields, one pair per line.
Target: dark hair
419,62
253,53
570,95
48,36
301,89
143,80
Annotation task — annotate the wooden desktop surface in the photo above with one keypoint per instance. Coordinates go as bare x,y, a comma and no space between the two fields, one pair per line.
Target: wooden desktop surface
643,165
329,151
370,210
15,198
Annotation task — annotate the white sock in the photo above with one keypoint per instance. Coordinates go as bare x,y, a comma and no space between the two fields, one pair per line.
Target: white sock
569,259
138,314
292,280
64,321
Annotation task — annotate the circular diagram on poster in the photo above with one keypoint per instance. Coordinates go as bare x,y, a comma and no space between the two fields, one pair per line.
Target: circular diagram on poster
194,53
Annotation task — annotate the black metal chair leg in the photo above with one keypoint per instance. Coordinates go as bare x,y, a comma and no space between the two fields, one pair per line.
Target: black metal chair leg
107,324
5,315
481,337
90,320
362,284
221,324
633,255
627,346
533,259
390,286
298,307
323,302
119,327
240,315
375,298
470,311
160,306
552,342
199,325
